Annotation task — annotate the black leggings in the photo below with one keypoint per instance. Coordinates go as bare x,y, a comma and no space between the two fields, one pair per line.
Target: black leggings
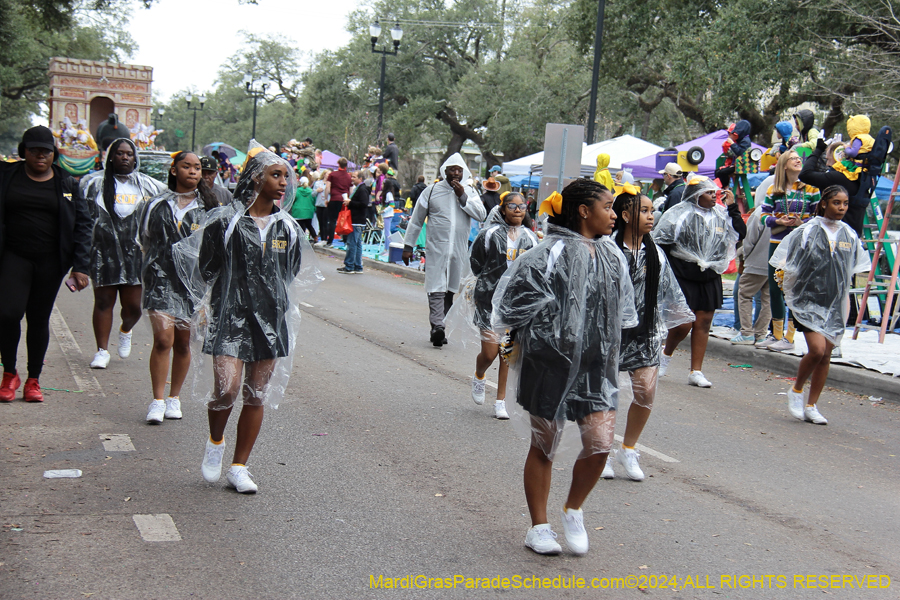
306,225
334,209
29,289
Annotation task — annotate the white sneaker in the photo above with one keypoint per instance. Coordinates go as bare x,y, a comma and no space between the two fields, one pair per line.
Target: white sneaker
782,345
663,364
811,413
320,244
173,408
608,472
124,344
836,352
157,411
795,403
101,359
542,540
573,527
629,461
211,467
500,410
766,342
478,389
239,479
696,378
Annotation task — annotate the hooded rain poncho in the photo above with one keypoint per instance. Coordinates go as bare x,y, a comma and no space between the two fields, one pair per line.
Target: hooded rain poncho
447,240
247,276
818,259
602,175
565,303
115,255
703,236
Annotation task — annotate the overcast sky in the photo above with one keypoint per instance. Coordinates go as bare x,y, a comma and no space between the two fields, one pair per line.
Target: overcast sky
186,41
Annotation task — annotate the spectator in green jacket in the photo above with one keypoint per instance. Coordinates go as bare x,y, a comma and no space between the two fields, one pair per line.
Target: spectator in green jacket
304,207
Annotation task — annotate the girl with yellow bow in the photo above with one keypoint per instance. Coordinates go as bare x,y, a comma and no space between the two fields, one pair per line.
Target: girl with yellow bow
563,306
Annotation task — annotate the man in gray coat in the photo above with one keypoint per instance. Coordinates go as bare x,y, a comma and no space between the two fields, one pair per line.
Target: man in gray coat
448,205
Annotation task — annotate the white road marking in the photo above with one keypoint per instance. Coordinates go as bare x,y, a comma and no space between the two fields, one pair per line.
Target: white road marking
306,305
72,351
157,528
117,442
651,451
62,473
490,384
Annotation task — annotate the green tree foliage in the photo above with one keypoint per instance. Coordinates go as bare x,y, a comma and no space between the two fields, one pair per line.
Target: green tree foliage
33,32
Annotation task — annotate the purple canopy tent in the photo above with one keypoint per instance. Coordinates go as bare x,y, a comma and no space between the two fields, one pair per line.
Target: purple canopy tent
645,168
329,161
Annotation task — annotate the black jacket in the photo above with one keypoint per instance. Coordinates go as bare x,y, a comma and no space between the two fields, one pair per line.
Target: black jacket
417,191
359,203
391,155
811,175
674,192
74,219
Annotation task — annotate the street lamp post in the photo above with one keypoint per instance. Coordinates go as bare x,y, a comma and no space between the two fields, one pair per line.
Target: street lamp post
202,101
595,74
256,93
396,36
158,117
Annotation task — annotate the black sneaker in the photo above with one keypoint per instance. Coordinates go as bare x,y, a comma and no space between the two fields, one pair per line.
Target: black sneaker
345,270
437,336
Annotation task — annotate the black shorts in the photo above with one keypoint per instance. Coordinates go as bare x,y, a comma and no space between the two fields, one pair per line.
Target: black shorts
705,296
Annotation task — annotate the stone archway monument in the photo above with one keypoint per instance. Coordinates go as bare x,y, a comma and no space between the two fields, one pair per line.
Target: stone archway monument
88,90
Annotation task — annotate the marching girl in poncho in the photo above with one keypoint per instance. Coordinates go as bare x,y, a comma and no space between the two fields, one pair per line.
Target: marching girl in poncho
165,220
501,241
699,238
112,198
660,306
563,305
818,260
252,260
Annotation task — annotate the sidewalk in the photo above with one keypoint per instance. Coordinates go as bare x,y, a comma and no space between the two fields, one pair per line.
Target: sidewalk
854,380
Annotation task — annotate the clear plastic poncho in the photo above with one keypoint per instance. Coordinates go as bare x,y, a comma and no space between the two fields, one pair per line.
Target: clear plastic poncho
495,247
641,345
819,259
247,276
564,304
447,237
703,236
165,220
115,255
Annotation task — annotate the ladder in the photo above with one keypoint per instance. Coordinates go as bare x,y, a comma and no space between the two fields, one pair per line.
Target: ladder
877,284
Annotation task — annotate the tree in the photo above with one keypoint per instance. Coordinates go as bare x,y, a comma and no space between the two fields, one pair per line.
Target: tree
33,32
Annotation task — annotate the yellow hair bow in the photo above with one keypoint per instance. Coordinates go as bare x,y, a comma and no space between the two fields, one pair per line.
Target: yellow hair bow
552,205
631,189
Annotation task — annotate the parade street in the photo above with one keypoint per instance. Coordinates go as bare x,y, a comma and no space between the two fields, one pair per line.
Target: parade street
379,477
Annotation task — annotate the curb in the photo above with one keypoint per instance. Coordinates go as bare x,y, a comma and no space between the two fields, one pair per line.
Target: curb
855,380
404,271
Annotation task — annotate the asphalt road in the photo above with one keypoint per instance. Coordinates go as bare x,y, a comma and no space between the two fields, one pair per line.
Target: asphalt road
379,464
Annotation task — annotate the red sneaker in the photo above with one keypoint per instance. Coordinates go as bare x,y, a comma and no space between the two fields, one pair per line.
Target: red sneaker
11,383
32,392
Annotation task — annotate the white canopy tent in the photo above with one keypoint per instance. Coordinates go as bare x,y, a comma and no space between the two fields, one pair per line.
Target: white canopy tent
621,149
